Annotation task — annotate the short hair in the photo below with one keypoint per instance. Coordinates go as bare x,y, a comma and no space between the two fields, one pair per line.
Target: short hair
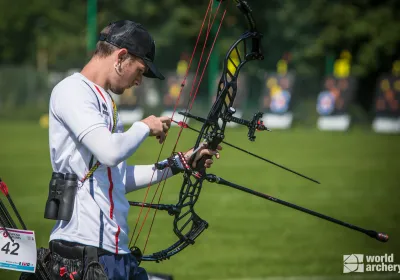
104,49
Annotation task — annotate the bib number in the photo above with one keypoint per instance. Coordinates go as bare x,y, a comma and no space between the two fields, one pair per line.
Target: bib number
18,252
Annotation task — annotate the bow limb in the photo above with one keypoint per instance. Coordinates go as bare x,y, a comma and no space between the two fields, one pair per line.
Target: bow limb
245,49
187,224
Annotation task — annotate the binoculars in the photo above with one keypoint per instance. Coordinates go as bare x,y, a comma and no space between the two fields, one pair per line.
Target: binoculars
61,198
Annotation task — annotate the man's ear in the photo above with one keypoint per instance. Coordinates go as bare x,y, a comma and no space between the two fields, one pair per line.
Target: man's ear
121,55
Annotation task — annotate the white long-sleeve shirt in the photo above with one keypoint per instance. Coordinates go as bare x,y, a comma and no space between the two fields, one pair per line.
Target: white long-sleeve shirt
80,134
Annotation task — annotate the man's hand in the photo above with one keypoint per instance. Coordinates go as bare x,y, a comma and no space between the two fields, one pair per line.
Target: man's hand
158,126
202,152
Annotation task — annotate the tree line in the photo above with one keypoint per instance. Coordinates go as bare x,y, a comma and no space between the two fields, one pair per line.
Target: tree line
53,33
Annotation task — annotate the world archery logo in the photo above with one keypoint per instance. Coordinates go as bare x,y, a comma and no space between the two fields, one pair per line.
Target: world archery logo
370,263
353,263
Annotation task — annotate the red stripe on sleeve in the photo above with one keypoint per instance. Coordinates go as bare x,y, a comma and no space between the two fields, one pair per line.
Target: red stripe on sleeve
99,91
116,239
110,189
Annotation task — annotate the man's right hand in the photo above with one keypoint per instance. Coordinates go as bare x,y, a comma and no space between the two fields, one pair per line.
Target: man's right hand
158,126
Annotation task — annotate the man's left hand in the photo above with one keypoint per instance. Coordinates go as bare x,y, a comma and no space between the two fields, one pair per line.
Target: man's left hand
202,152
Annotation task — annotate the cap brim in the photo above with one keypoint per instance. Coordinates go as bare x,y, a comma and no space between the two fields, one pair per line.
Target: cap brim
152,72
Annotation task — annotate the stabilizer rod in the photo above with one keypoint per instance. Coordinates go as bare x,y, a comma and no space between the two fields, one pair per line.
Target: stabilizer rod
185,125
377,235
172,209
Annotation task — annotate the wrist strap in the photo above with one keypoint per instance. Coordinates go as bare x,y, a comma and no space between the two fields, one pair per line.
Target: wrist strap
177,162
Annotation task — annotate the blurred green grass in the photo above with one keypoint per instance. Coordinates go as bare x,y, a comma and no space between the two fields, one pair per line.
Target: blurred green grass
248,237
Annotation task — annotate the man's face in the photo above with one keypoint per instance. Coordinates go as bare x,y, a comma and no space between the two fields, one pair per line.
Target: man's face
130,74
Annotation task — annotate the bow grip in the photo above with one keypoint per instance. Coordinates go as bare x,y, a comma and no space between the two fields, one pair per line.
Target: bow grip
200,164
212,145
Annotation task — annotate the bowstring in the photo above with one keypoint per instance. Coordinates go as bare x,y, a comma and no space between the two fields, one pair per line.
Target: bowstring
159,155
191,96
209,55
176,142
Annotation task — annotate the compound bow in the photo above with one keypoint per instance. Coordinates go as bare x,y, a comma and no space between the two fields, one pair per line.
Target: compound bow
187,224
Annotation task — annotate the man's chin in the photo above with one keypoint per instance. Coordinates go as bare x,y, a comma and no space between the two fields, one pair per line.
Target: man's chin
118,91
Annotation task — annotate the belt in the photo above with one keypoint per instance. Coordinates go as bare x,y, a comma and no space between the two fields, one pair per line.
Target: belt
73,250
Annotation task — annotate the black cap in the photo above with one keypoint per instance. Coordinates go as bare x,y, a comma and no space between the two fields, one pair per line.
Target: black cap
133,37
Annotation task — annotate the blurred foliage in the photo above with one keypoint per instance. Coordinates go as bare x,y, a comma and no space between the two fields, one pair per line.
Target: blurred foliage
369,29
31,27
308,29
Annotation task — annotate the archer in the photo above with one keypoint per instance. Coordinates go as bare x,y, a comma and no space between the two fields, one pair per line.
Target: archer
89,150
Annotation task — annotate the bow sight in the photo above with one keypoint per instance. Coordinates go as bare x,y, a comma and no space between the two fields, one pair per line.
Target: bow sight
255,124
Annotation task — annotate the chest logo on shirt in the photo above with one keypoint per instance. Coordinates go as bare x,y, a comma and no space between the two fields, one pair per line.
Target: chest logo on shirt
105,110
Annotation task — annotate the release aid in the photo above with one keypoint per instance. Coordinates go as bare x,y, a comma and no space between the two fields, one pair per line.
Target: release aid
61,198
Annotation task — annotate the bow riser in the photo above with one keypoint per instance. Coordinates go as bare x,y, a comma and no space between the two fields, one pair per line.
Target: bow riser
220,114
